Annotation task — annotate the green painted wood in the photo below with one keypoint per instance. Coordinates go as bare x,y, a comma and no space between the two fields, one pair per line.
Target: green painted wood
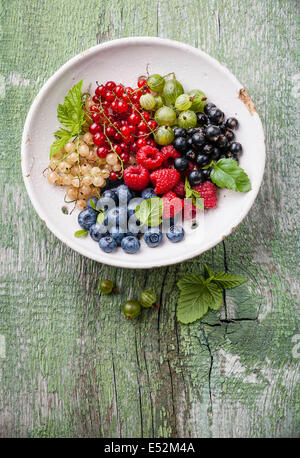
73,366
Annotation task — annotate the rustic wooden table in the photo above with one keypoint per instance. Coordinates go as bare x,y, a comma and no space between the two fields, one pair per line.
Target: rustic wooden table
70,365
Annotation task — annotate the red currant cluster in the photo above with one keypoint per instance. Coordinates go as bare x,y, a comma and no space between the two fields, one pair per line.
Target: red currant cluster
119,124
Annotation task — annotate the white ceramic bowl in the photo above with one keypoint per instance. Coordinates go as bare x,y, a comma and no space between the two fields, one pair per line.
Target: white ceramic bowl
123,61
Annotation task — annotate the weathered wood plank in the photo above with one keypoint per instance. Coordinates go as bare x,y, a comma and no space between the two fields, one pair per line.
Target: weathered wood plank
73,366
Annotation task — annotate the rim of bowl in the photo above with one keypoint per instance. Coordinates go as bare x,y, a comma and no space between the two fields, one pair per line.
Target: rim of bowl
131,264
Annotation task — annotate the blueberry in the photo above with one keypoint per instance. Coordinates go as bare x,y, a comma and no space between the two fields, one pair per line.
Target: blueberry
191,154
134,225
216,115
175,234
130,244
153,237
198,139
215,153
94,200
191,131
109,200
195,177
222,141
212,133
179,132
148,193
117,234
112,193
124,194
235,148
201,119
87,218
97,231
117,217
232,123
181,164
229,135
208,107
202,160
132,205
180,143
107,244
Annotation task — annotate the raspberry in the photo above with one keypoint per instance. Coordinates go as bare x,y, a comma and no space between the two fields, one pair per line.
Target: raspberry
179,189
169,155
149,157
172,204
136,177
208,192
164,180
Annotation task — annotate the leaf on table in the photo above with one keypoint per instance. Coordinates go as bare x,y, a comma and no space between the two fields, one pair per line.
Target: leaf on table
228,281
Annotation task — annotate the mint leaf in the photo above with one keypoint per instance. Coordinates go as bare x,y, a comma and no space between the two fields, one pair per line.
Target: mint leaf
190,193
81,233
93,205
196,296
150,211
100,217
228,281
227,174
70,113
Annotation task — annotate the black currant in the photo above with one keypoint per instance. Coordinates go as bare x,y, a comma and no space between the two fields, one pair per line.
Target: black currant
212,133
201,119
215,153
207,149
191,131
230,135
235,148
179,132
206,174
222,141
202,159
195,177
180,143
216,115
191,154
198,139
181,164
232,123
208,107
190,142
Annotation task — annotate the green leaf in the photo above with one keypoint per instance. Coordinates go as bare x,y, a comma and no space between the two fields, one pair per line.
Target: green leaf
150,211
209,273
92,204
228,281
227,174
81,233
196,296
194,195
100,217
63,138
70,113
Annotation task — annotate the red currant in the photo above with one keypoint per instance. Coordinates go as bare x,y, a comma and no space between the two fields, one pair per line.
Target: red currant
100,90
142,126
110,85
99,139
124,147
146,115
152,124
102,151
134,118
94,108
151,142
122,106
117,125
113,176
136,97
119,90
117,148
134,147
95,117
114,105
95,99
141,82
125,131
109,96
118,136
94,128
124,157
110,131
141,142
129,139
